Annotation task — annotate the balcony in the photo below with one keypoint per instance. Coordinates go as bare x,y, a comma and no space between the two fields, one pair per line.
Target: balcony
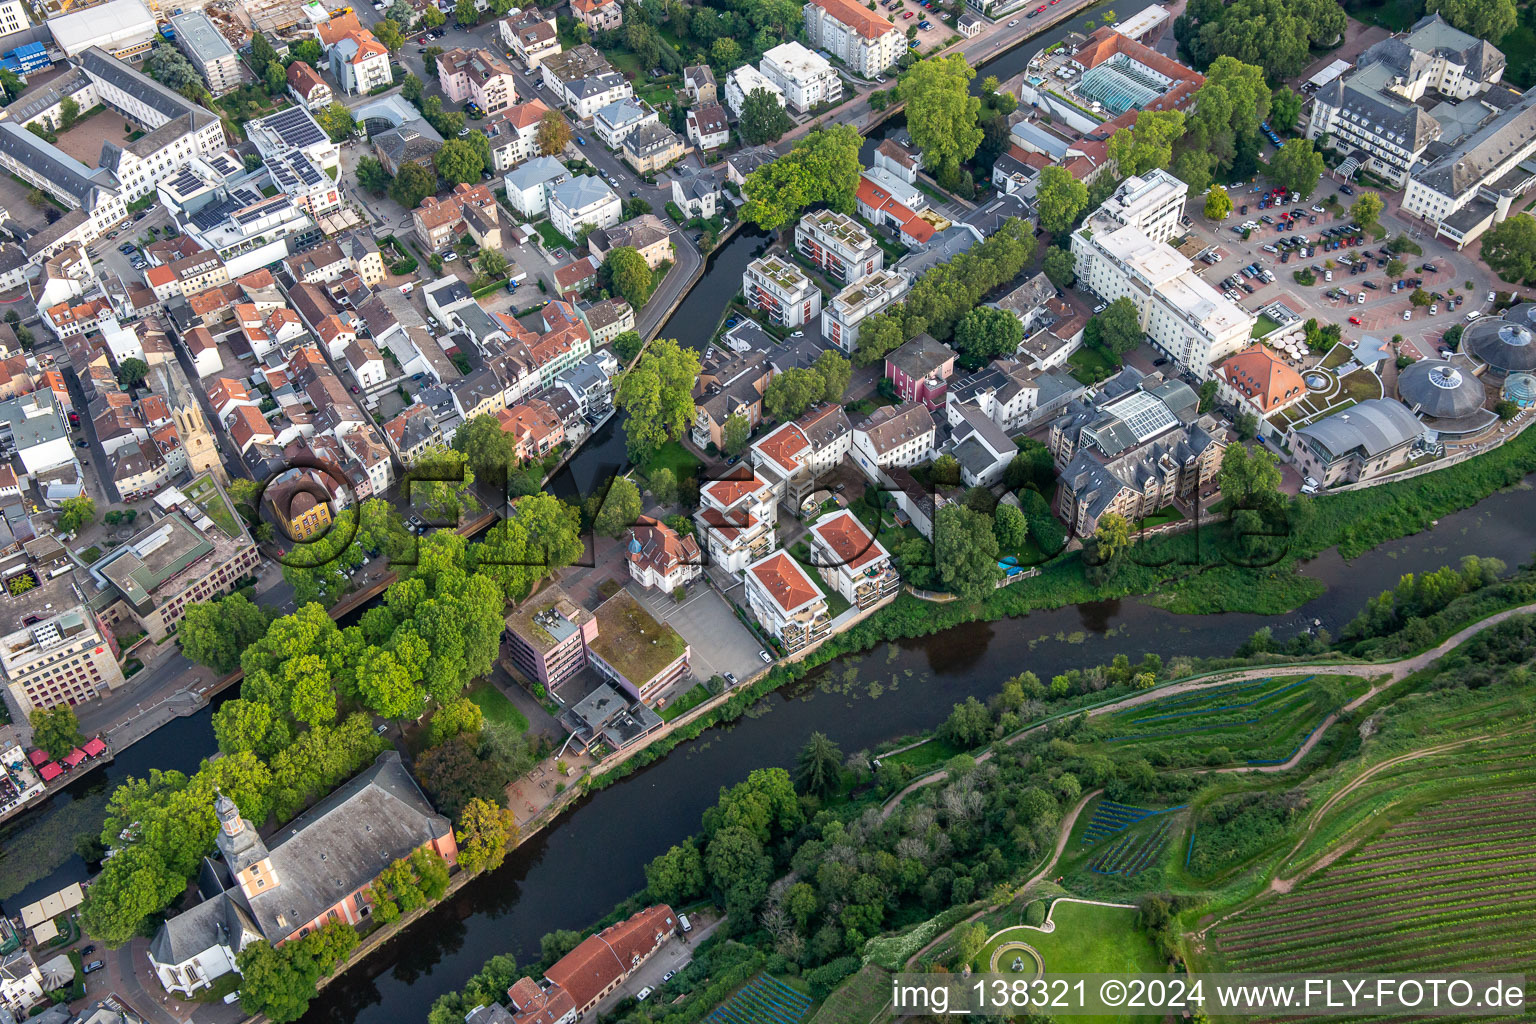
875,586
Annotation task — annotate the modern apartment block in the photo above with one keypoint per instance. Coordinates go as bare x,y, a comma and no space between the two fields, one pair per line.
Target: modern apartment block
839,245
782,290
477,76
855,35
787,602
862,299
806,79
547,637
55,650
737,521
852,561
1153,202
1183,316
205,46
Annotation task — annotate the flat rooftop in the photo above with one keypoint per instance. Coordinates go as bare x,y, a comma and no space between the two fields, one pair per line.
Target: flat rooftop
633,642
547,619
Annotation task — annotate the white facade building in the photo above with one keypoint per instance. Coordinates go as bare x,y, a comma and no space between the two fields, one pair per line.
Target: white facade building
743,82
860,38
737,521
781,290
806,79
862,299
584,201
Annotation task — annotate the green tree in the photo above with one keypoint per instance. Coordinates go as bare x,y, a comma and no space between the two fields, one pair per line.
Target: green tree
1510,249
492,263
490,452
554,133
677,876
792,392
1486,19
1249,478
724,53
1275,35
466,12
401,13
763,118
1367,210
76,512
657,395
823,167
986,333
620,508
1011,528
56,730
1397,268
1060,266
213,633
941,112
739,867
1284,109
734,434
306,50
486,831
432,17
456,718
1297,167
628,275
337,122
132,372
818,769
1117,329
276,78
458,161
1218,204
1060,198
965,549
969,725
1149,143
1113,536
1224,119
280,981
836,372
387,31
262,52
880,334
627,345
413,184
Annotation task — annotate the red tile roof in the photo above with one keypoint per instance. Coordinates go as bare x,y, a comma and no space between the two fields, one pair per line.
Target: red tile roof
853,545
1263,377
601,959
785,581
728,492
660,547
862,20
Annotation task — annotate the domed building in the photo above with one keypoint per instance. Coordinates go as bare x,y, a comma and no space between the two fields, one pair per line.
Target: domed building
1440,390
1504,343
1520,388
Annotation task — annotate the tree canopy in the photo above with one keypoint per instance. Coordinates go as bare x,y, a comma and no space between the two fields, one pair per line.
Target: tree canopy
1148,144
657,395
986,333
1510,249
1297,167
823,167
1060,198
941,112
763,118
1487,19
1276,35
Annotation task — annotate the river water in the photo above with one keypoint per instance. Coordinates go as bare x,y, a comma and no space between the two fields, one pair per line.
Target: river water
592,858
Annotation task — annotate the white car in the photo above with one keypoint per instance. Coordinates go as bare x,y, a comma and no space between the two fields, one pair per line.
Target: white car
797,334
1434,309
1407,314
643,994
767,658
1491,297
449,257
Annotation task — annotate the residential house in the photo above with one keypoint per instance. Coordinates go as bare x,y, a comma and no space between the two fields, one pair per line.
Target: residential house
535,428
806,79
577,276
413,433
514,136
598,15
743,82
477,76
531,36
982,448
838,244
1258,381
583,201
651,147
1012,393
608,319
728,385
614,122
307,87
699,84
921,369
893,435
708,127
647,234
852,561
902,160
696,192
736,520
528,185
781,290
360,63
582,79
660,558
860,38
786,602
794,456
468,208
596,967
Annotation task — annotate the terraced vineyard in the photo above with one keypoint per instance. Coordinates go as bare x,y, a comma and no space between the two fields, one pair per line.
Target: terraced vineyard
1258,722
1447,888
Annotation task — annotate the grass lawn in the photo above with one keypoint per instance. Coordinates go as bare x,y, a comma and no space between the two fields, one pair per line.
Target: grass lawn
1336,357
1161,516
552,237
205,494
1265,325
495,706
859,999
1091,364
1088,939
675,457
924,755
1361,385
687,702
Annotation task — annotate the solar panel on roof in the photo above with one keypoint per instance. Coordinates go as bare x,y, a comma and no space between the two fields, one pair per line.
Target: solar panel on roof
295,127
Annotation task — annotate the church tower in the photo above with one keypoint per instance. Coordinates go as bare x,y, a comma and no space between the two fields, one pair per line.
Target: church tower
243,850
202,450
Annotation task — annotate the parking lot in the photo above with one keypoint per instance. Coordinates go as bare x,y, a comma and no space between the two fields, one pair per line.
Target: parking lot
1334,295
720,643
909,13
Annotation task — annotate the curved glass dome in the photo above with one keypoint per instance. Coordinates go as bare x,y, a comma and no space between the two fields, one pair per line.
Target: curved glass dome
1433,387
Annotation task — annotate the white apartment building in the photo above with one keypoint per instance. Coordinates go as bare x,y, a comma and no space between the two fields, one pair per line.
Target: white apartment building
293,128
862,299
1383,115
13,16
531,36
787,602
1470,188
743,82
839,245
63,658
514,136
792,458
737,521
855,35
852,561
782,290
894,436
477,76
615,122
528,184
205,46
360,63
582,79
1153,202
584,201
807,80
142,164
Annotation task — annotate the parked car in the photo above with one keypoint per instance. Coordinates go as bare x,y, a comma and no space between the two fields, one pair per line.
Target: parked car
1355,320
643,994
94,965
767,658
449,257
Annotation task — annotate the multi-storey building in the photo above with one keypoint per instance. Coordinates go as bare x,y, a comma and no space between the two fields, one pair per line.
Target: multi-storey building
698,82
614,122
786,602
794,456
921,369
729,385
838,244
598,15
584,201
805,79
1368,440
1153,202
859,301
1473,185
651,147
514,136
708,127
306,86
531,36
781,290
477,76
647,234
743,82
360,63
634,652
583,80
893,436
855,35
660,558
737,519
852,561
547,637
56,650
205,46
595,968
